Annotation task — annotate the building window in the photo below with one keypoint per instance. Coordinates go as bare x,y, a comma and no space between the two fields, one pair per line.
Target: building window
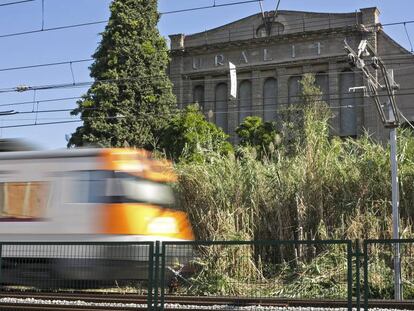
294,89
270,99
198,96
348,116
220,108
322,81
245,100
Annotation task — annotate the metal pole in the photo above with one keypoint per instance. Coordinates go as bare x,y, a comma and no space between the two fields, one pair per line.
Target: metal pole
395,204
395,213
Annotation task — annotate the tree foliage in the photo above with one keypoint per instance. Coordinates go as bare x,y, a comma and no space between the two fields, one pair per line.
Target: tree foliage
258,134
189,136
131,98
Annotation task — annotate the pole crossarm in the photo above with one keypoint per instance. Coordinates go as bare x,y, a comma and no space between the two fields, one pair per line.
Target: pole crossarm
357,59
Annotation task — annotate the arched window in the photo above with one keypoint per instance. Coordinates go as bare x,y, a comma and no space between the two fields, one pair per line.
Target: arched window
321,79
198,96
294,89
221,106
270,99
245,100
348,116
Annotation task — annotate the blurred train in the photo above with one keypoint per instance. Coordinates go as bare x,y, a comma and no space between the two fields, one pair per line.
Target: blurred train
87,196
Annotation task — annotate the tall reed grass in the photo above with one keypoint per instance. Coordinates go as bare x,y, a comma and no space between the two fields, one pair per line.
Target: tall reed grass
328,188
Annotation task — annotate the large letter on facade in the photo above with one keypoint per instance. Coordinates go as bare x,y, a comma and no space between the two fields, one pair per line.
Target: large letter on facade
243,58
266,56
219,60
196,63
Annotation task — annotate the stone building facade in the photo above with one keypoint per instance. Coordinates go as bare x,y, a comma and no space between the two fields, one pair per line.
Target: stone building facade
271,53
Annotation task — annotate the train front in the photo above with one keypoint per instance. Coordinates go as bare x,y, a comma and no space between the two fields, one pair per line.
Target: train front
140,205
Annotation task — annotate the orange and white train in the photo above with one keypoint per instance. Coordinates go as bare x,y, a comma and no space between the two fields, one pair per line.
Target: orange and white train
87,195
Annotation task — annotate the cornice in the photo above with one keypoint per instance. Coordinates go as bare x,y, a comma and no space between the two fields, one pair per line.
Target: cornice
222,46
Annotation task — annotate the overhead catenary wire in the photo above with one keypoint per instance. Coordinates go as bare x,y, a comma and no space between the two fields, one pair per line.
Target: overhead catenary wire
42,29
52,29
390,58
291,103
24,88
214,5
79,97
144,116
47,64
408,36
15,2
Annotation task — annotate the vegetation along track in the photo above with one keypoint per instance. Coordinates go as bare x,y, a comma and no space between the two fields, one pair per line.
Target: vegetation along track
107,302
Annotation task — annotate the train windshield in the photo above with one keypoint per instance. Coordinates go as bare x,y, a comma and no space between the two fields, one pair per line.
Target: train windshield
123,187
119,187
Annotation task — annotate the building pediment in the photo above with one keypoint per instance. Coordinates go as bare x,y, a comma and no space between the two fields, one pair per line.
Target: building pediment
269,25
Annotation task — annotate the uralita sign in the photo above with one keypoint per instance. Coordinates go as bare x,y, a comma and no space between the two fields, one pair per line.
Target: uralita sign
245,57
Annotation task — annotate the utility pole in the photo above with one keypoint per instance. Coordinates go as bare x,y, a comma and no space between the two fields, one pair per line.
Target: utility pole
390,118
395,205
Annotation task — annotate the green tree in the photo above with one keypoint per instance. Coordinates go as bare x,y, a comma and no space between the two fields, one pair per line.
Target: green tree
131,98
258,134
189,136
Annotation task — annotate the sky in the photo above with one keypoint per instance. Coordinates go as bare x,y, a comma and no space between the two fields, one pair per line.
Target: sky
80,43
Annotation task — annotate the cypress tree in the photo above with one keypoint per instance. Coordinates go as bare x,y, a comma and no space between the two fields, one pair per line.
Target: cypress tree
131,98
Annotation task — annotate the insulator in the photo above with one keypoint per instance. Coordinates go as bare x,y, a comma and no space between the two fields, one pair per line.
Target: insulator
375,63
352,59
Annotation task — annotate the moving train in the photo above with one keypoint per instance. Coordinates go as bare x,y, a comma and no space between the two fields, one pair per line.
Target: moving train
69,209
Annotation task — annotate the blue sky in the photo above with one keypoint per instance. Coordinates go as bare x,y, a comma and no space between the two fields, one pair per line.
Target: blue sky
80,43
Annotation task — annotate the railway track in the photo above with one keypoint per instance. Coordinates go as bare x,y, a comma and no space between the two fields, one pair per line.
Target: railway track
126,302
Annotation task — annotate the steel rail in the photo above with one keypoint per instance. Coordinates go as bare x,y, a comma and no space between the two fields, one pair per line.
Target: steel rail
187,303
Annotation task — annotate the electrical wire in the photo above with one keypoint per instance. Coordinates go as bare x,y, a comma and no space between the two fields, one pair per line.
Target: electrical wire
25,88
162,13
385,57
208,7
15,2
46,64
52,29
290,104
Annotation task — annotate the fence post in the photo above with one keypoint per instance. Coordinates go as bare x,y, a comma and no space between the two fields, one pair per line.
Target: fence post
150,276
366,287
350,281
156,274
163,266
357,273
1,262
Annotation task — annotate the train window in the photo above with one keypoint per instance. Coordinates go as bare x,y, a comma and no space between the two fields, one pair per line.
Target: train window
23,200
119,187
128,188
88,186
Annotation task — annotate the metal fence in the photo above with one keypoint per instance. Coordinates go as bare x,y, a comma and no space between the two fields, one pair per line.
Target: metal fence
260,269
379,269
339,270
95,267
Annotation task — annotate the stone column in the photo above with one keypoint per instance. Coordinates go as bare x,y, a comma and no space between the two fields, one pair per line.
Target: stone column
233,116
209,98
282,88
176,66
334,97
257,91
